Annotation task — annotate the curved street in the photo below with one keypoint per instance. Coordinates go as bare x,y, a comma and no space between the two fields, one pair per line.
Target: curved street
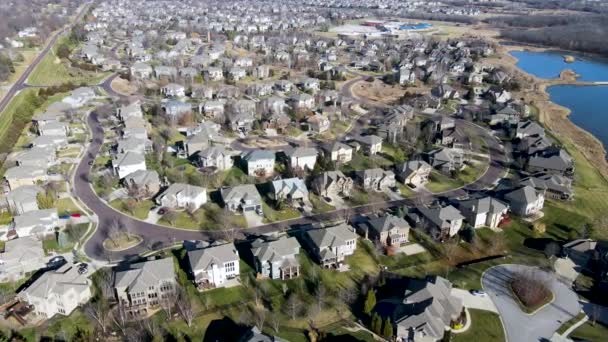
518,325
157,236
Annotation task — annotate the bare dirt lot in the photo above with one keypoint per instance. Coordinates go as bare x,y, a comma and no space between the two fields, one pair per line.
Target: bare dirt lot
378,91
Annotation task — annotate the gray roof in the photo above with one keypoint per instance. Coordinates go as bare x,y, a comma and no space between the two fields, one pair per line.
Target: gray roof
555,183
184,190
202,259
483,205
241,193
388,222
302,152
290,186
368,139
259,155
558,160
58,282
142,275
525,194
441,215
35,217
24,194
128,158
275,250
332,236
143,177
530,128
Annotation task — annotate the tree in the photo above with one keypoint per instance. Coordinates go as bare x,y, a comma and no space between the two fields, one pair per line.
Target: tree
171,217
539,228
370,302
377,323
468,233
387,331
184,306
292,306
119,317
98,312
63,51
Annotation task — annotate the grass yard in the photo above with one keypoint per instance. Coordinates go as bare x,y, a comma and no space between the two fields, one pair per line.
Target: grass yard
318,205
273,215
209,217
140,210
590,332
5,217
70,152
485,326
67,206
53,71
438,182
362,162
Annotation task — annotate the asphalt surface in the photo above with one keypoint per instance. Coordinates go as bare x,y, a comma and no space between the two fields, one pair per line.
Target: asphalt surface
518,325
21,83
157,236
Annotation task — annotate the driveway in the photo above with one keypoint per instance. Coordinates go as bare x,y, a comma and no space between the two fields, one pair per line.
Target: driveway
474,302
253,219
518,325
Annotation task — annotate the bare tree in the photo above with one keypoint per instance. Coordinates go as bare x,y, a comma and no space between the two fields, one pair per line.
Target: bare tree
275,321
184,306
293,306
259,315
120,319
98,312
320,297
167,305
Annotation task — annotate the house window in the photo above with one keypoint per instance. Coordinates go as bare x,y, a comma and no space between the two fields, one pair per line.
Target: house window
229,267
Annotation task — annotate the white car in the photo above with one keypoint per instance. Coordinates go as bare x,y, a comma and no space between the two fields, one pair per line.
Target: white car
478,293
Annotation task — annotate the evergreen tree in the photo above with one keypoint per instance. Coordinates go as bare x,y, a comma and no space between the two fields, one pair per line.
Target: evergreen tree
370,302
377,324
387,332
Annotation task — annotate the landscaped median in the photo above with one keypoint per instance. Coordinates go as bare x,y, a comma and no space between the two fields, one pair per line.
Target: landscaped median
531,291
119,241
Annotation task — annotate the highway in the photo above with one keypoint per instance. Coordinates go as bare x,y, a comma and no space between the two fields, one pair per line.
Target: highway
21,83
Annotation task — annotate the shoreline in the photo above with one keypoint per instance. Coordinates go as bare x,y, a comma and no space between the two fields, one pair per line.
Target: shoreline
556,117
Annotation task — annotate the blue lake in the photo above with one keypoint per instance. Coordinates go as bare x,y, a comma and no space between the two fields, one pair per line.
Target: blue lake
549,64
588,105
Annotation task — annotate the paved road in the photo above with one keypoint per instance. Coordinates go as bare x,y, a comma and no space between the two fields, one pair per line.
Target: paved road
474,302
518,325
157,236
21,83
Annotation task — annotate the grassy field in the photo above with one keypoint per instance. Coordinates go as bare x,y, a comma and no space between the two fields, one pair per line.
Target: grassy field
54,71
590,332
66,205
318,205
485,326
140,210
273,215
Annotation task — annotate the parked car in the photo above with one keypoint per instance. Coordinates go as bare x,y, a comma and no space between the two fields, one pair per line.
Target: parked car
478,293
56,262
75,215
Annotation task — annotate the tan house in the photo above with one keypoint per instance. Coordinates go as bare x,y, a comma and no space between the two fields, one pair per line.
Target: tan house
390,230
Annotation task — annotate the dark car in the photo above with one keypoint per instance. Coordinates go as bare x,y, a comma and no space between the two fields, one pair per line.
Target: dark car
56,262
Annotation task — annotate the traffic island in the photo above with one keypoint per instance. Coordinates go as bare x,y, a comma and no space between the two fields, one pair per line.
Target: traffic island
531,291
121,242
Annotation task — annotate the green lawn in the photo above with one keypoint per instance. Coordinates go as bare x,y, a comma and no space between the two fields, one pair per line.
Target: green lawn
209,217
66,205
272,215
5,217
53,71
140,210
590,332
570,323
70,152
438,182
363,162
485,326
318,205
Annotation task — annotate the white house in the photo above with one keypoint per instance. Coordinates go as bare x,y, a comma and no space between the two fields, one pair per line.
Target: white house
260,162
180,195
58,292
526,201
303,158
173,90
217,157
37,223
212,266
126,163
483,212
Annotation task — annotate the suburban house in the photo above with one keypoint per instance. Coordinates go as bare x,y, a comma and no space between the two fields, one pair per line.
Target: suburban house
554,186
376,179
212,266
339,152
58,292
483,212
440,222
277,259
125,163
414,172
37,223
289,189
24,175
303,158
245,198
528,128
318,123
447,160
217,157
181,195
23,199
552,160
390,230
142,183
427,310
144,285
331,245
332,183
259,163
526,201
173,90
21,257
371,144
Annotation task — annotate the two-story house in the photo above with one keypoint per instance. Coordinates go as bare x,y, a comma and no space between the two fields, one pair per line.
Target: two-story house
277,259
331,245
214,265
